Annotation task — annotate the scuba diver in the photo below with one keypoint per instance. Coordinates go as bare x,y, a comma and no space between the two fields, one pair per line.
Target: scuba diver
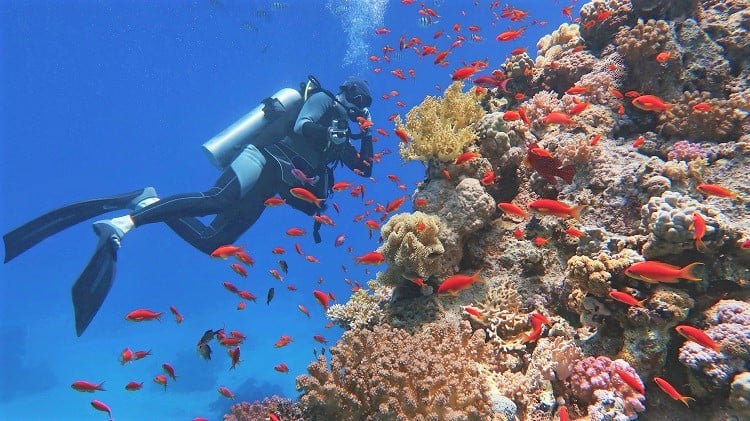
294,139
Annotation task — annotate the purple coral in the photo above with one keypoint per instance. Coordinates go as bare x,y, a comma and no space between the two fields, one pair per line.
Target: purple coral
685,151
729,326
598,373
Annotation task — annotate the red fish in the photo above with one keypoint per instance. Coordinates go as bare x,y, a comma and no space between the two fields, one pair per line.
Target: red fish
234,354
162,380
281,368
699,227
306,195
84,386
226,392
304,310
239,269
126,356
101,406
295,232
548,166
230,287
274,201
453,284
650,103
510,35
716,190
558,118
401,133
245,258
698,336
137,355
634,382
169,370
177,316
247,295
341,185
652,272
141,315
322,298
574,232
625,298
466,157
512,209
224,252
133,386
395,204
371,258
556,208
283,341
671,391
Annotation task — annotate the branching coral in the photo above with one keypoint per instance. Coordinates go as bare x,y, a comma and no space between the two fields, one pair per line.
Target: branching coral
361,310
388,374
441,129
411,243
729,327
593,374
721,122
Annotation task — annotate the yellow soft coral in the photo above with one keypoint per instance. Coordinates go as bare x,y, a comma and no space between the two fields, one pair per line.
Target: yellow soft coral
441,128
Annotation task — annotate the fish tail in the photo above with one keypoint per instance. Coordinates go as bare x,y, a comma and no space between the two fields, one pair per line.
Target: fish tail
685,399
314,180
688,272
477,276
567,173
700,245
318,203
576,212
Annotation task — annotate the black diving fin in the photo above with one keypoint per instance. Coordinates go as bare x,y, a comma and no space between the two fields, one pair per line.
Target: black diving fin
31,233
94,283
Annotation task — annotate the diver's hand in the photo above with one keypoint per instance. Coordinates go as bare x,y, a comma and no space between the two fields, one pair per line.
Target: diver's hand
337,135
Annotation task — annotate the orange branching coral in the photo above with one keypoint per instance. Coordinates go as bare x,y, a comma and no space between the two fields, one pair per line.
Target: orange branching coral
389,374
720,120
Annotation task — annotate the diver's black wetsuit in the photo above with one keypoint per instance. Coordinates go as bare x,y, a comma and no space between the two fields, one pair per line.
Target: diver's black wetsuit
237,212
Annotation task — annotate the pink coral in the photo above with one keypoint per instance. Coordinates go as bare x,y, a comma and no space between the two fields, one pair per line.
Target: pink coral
598,373
685,151
283,408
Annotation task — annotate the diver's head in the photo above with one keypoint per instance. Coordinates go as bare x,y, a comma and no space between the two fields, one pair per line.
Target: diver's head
355,96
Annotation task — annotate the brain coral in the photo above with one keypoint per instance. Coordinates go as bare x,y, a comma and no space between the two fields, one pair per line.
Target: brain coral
411,243
441,129
729,326
389,374
592,374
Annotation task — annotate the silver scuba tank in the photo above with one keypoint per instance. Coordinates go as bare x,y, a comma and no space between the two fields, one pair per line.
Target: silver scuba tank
257,127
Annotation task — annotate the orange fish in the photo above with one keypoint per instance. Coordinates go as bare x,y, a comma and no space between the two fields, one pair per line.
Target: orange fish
281,368
555,208
698,336
295,232
650,103
322,298
278,250
558,118
341,185
702,107
230,287
699,226
474,312
453,284
540,241
133,386
625,298
632,381
595,139
239,269
716,190
488,179
275,273
371,258
512,209
84,386
663,57
510,35
226,392
169,370
177,316
575,90
162,380
234,354
283,341
126,356
304,310
274,201
101,406
247,295
224,252
401,133
652,272
466,157
137,355
638,142
463,73
671,391
574,232
548,166
563,413
518,234
306,195
141,315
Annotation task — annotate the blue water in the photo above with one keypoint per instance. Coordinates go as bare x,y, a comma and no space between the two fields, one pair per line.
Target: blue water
106,97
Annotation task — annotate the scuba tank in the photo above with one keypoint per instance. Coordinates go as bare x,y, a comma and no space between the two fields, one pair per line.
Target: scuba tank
265,124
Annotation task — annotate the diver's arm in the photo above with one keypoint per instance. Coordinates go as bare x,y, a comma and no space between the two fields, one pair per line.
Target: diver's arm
362,160
307,122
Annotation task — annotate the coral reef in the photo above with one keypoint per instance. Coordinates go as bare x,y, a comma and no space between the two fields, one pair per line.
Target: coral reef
728,324
362,310
441,129
597,374
283,408
592,275
412,245
386,373
721,122
739,392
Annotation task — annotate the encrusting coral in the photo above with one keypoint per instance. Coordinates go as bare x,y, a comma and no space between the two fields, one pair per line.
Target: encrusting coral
441,128
388,374
720,122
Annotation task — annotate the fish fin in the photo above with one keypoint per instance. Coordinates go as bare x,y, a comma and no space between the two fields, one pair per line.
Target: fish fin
685,400
567,173
700,246
576,212
688,272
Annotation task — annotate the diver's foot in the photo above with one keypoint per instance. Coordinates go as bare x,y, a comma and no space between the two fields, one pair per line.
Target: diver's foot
114,229
146,198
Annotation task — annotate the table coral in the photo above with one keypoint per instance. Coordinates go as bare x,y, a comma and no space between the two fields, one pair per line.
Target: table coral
728,324
441,128
411,243
593,374
388,374
722,123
